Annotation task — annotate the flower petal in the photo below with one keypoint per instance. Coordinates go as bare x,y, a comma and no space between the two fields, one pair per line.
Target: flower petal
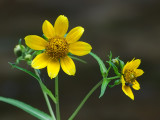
122,80
68,65
127,90
75,34
61,26
48,29
138,72
80,48
136,85
134,64
40,61
35,42
125,67
53,68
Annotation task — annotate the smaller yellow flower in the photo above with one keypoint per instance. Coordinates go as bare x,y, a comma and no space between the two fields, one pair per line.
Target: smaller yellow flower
129,76
57,47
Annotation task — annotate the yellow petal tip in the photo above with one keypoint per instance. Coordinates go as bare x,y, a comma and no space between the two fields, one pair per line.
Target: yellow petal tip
81,29
62,17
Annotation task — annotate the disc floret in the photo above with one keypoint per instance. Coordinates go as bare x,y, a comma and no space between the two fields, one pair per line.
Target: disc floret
129,77
57,48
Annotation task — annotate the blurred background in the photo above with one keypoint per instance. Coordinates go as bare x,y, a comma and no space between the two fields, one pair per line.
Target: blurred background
128,28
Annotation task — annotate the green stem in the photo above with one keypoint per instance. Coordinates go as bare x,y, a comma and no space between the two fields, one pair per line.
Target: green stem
49,106
115,77
88,95
46,98
84,100
57,99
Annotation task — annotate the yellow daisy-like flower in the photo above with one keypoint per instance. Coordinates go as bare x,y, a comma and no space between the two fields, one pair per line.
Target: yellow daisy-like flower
57,47
129,76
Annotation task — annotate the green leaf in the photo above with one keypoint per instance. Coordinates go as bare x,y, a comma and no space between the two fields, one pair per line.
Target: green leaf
45,37
45,89
19,59
20,41
114,68
121,63
27,108
26,71
35,53
110,56
21,46
116,82
48,92
101,64
104,86
65,35
78,59
30,51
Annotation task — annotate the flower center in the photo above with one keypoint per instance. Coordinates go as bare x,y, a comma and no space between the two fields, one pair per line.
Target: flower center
57,48
129,77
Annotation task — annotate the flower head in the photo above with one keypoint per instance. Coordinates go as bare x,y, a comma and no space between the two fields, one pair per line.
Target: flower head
129,76
57,47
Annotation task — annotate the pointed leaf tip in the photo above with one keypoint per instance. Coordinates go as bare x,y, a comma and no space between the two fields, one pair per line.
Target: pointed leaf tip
104,86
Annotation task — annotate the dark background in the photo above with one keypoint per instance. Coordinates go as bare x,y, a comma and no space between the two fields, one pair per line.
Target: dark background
129,28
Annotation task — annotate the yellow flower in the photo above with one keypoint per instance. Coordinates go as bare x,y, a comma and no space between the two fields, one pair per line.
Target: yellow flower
57,47
129,76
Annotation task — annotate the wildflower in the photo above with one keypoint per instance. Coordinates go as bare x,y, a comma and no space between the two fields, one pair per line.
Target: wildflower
57,47
129,76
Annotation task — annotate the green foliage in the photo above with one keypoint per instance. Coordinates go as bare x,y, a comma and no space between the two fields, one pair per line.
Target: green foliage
24,70
78,59
45,89
121,64
104,86
45,37
24,53
114,68
114,64
27,108
116,82
104,72
102,66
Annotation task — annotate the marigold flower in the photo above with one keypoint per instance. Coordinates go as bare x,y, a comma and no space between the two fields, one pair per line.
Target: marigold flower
57,47
129,76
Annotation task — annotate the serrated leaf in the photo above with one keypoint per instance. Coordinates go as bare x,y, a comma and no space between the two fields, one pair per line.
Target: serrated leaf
101,64
104,86
27,108
78,59
45,89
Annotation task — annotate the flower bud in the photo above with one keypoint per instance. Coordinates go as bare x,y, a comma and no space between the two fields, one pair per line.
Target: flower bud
115,61
18,50
28,57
